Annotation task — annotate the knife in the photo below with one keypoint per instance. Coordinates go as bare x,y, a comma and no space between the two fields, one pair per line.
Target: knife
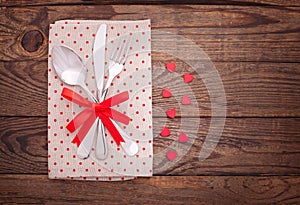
99,57
99,63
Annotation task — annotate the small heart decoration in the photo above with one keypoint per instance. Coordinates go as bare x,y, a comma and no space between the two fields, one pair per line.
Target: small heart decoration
171,155
171,66
165,132
166,93
183,137
185,100
171,113
188,77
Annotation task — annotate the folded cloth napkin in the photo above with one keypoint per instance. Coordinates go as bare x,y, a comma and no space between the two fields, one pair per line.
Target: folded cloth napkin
63,162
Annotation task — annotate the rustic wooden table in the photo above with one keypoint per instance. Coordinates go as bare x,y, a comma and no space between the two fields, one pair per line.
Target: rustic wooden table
254,45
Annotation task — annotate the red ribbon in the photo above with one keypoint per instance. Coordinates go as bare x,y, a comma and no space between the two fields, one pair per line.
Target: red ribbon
103,110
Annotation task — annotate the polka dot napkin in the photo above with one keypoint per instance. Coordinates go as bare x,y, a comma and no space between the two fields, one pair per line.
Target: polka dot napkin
135,78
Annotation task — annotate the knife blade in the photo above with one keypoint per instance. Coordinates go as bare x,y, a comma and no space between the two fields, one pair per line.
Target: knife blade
99,57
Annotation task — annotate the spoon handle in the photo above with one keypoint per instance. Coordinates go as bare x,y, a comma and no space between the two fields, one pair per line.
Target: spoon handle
84,87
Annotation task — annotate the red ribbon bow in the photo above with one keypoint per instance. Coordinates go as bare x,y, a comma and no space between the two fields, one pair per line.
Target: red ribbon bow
103,110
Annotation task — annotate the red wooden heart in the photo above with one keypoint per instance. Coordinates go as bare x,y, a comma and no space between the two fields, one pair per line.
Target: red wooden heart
166,93
165,132
188,78
185,100
171,67
171,113
171,155
183,137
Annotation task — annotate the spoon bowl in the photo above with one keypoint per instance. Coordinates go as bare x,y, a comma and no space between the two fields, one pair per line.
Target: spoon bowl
70,67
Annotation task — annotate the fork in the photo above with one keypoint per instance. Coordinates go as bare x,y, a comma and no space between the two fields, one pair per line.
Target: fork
116,64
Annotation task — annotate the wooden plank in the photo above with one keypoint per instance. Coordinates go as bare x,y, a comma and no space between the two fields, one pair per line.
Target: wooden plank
210,2
252,89
155,190
248,146
225,33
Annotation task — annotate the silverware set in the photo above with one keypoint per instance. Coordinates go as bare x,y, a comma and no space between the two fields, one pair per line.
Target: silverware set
71,70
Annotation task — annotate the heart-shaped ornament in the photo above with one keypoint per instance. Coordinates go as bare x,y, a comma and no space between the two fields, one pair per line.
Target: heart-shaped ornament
166,93
171,113
165,132
183,137
185,100
171,155
171,67
188,77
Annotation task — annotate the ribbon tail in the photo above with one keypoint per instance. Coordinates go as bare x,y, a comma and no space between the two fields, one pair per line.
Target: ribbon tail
84,130
75,97
79,120
112,129
76,141
117,116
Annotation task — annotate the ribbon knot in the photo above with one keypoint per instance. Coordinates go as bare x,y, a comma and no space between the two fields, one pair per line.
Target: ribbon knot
92,111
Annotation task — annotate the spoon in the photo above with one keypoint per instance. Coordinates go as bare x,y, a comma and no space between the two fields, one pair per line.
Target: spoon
71,70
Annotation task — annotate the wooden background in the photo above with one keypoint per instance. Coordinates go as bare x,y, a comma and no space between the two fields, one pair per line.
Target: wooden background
255,46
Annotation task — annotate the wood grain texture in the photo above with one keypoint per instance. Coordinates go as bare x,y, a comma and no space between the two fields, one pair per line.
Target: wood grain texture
252,89
225,33
254,146
210,2
156,190
254,45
